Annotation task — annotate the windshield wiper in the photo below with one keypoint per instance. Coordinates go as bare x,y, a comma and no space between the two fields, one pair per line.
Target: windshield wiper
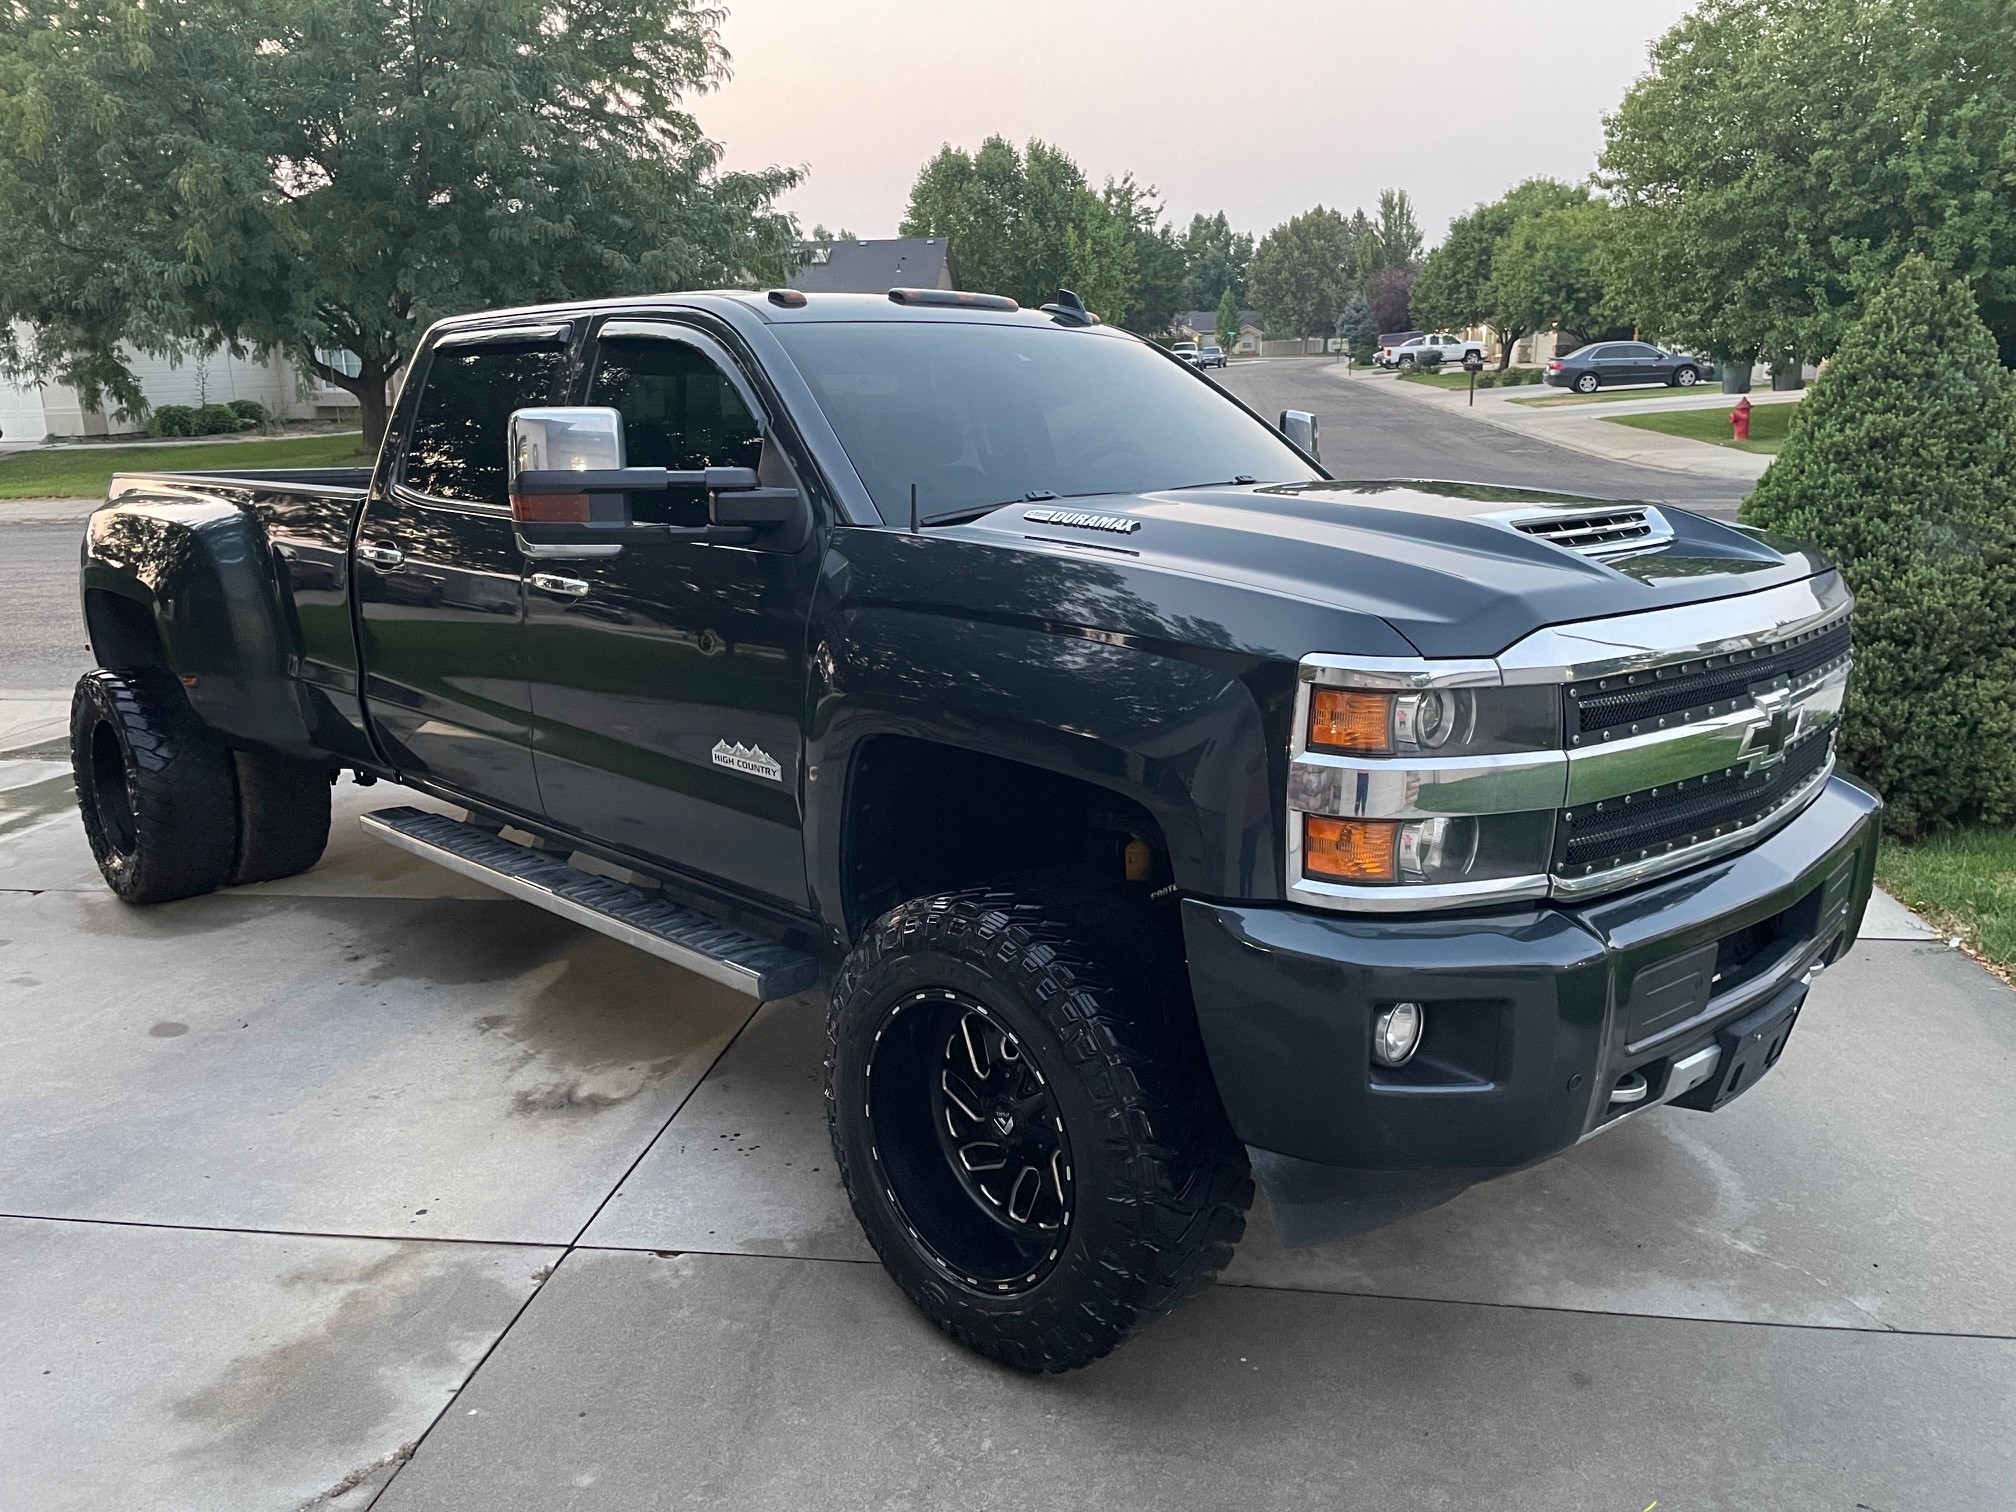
974,511
1238,481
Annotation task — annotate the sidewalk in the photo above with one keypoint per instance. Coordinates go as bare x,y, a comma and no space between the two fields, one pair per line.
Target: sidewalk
1581,427
45,511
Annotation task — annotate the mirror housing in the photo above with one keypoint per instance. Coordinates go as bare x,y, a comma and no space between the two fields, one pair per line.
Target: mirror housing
1299,426
570,491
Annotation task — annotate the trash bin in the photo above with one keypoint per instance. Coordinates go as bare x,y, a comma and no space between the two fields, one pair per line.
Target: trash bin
1735,373
1787,377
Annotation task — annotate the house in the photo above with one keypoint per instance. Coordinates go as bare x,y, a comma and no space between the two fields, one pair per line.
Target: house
54,411
1201,326
876,267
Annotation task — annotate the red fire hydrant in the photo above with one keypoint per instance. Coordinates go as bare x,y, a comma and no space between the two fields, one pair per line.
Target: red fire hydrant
1739,419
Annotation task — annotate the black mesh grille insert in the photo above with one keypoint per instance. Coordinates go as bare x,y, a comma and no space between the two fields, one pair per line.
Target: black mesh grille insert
1695,689
1598,836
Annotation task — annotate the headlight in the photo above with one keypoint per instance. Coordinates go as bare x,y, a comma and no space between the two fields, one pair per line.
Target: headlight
1433,721
1432,852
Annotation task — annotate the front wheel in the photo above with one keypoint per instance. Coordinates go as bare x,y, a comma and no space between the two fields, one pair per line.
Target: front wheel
1024,1123
1587,383
1685,377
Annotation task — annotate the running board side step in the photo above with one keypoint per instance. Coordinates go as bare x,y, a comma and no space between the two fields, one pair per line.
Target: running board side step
684,936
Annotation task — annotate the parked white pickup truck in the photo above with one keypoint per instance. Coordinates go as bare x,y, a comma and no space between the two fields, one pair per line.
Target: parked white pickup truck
1408,353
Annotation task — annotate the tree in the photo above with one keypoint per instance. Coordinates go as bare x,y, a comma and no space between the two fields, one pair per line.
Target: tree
1301,273
1228,321
310,176
1215,259
1025,223
1391,294
1547,274
1455,289
1355,319
1782,157
1901,465
1396,236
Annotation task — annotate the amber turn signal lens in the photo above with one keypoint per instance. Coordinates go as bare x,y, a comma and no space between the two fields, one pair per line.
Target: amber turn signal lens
1349,850
1341,719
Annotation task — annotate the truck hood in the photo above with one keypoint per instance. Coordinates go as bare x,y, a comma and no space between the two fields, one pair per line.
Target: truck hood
1442,563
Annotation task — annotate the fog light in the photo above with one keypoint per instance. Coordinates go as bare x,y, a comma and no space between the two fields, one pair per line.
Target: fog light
1396,1033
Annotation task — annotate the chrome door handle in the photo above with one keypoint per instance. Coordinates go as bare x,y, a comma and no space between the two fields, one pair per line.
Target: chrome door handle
387,557
552,582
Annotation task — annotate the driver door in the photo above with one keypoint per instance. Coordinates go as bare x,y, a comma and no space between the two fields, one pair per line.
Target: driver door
668,682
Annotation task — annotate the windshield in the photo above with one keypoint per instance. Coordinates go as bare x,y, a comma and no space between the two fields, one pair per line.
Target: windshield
979,415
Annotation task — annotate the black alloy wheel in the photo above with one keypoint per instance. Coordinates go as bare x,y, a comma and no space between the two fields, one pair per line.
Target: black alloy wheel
969,1140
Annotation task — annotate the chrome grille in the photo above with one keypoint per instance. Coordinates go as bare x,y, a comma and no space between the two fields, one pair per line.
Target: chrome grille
1610,708
1658,821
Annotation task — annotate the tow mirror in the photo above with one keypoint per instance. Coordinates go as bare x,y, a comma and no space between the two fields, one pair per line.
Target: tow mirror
1299,426
571,491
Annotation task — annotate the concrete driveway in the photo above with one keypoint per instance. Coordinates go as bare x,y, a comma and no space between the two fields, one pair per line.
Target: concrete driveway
370,1188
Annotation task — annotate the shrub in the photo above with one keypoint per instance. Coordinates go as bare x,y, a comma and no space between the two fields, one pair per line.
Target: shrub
219,420
1899,465
1429,359
172,420
255,414
1489,378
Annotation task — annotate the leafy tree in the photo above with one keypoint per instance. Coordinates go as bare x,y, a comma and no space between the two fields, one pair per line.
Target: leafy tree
1025,223
1215,259
1455,289
1901,464
1391,293
310,175
1301,273
1782,157
1228,321
1547,273
1396,235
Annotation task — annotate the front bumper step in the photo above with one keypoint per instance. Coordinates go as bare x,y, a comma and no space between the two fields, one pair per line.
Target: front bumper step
684,936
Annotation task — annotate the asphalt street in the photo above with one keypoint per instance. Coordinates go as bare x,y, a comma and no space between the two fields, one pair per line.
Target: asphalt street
1369,431
42,642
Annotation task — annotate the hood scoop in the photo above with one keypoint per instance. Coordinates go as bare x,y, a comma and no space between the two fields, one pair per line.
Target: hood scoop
1605,531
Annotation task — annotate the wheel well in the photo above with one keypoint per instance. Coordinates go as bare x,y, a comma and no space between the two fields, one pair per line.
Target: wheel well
925,818
122,630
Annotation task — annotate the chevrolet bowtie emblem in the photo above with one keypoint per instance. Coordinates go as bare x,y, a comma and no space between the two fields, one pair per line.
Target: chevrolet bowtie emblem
1764,746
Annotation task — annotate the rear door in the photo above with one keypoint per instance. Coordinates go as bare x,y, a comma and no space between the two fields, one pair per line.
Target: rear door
669,682
440,604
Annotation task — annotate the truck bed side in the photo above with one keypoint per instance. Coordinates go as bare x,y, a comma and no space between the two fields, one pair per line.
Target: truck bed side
239,583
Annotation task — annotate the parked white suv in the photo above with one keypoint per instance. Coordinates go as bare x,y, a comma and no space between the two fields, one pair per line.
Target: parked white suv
1408,353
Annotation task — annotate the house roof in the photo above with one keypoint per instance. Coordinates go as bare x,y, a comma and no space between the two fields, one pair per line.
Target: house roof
1207,320
876,267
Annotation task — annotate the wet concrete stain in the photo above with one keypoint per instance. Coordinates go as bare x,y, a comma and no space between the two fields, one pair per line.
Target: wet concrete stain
604,1024
352,1369
168,1029
23,808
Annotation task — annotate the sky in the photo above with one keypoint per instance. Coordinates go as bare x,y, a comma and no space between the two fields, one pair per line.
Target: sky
1261,108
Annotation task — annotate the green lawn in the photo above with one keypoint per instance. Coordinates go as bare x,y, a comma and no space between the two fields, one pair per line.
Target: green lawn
84,471
1965,883
1456,380
1768,423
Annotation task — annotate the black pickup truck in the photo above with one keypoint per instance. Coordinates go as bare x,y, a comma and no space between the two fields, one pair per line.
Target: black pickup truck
1161,812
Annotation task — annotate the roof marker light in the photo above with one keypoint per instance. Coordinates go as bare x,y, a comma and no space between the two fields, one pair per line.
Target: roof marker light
952,298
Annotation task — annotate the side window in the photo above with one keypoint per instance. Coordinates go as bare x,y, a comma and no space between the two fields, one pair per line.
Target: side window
1606,353
680,412
455,449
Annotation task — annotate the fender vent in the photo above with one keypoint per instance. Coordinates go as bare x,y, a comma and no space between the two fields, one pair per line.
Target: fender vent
1597,532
